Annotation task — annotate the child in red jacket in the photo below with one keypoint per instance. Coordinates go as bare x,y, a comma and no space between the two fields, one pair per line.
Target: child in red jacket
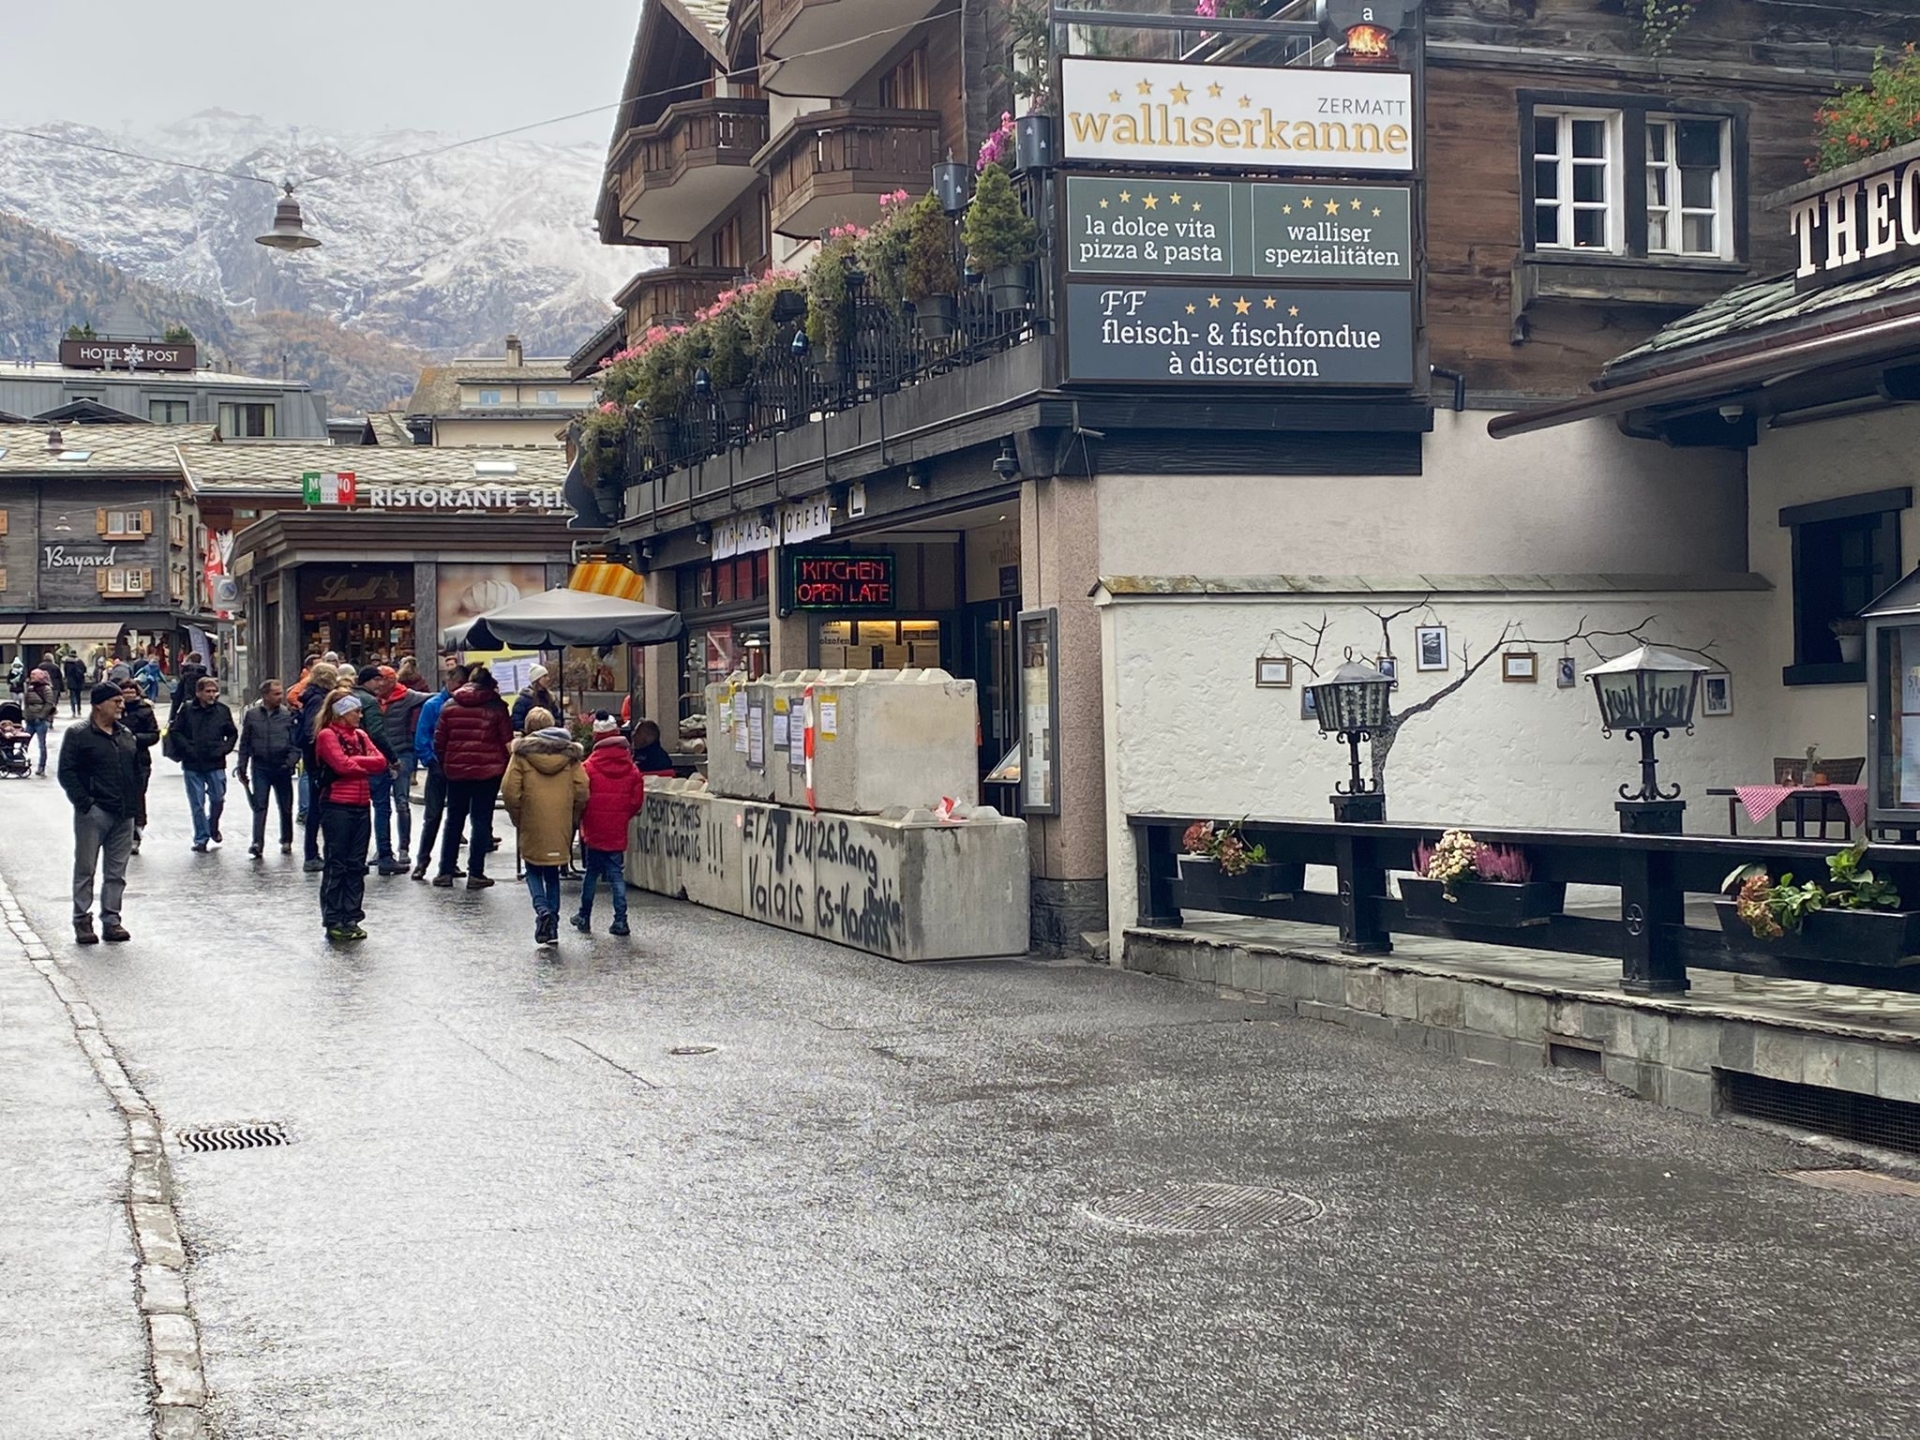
615,793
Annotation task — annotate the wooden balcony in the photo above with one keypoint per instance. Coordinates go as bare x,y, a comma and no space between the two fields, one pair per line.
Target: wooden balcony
824,47
679,174
831,167
672,295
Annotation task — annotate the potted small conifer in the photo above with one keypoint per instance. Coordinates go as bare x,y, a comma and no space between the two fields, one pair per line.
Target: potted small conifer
1001,239
728,363
931,277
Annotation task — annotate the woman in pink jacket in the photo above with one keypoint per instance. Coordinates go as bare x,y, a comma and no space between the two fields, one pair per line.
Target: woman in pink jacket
345,758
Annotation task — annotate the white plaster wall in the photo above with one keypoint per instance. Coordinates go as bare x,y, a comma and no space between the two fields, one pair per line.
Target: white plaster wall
1582,499
1847,456
1188,733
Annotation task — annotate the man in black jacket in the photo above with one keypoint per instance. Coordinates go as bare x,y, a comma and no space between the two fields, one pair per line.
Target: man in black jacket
137,715
200,737
187,687
270,743
100,771
73,672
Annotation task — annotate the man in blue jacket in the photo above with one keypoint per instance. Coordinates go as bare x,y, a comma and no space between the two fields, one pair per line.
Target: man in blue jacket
436,796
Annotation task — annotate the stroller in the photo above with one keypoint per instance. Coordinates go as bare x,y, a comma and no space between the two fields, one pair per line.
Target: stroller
14,737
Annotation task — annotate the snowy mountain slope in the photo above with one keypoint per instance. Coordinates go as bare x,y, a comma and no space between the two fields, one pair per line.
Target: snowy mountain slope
447,252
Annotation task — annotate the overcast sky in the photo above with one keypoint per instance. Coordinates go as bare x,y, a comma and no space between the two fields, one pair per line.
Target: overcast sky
466,67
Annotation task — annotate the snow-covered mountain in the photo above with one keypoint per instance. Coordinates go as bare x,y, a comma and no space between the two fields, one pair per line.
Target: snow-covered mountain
448,252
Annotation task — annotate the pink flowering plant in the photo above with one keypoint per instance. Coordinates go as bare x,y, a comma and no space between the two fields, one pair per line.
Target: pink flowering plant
997,148
1223,843
1459,858
882,251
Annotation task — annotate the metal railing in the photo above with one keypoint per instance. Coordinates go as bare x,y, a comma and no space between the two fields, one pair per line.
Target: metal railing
1654,875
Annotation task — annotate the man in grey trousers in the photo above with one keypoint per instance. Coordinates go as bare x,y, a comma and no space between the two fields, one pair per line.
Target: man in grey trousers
100,771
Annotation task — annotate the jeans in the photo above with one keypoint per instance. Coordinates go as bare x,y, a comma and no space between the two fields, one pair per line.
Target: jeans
381,788
436,805
543,884
306,790
73,699
37,730
469,803
343,887
403,803
613,865
266,785
95,833
207,798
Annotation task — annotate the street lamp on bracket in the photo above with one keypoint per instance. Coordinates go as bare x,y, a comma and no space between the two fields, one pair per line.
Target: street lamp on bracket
1650,693
1353,706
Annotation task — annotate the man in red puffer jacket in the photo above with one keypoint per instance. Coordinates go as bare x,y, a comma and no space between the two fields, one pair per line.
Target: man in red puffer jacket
471,741
615,793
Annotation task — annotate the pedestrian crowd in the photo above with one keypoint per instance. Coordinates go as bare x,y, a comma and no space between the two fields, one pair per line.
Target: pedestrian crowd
336,753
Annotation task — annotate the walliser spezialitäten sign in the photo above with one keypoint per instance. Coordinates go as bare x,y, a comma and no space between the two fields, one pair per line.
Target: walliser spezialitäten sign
1174,226
1238,334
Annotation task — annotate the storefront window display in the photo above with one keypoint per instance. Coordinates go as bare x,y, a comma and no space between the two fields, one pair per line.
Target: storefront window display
360,611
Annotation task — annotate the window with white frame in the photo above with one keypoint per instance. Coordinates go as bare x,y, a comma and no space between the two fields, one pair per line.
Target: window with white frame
1576,190
1643,177
1686,186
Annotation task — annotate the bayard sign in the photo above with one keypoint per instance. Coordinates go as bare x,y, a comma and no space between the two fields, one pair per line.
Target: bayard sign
1857,226
1174,226
1238,335
1236,117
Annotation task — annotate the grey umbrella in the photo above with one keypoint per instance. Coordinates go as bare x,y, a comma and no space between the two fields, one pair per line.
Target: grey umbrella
557,618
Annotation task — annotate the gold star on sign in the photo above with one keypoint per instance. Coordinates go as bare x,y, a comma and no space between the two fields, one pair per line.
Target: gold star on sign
1293,310
1356,204
1151,202
1114,96
1245,101
1269,302
1242,305
1333,207
1175,197
1376,211
1103,203
1214,90
1307,200
1286,209
1126,198
1145,87
1213,302
1196,204
1179,94
1190,309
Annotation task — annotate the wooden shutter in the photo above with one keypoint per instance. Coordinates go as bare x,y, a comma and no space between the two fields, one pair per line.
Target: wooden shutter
146,522
3,522
100,580
100,523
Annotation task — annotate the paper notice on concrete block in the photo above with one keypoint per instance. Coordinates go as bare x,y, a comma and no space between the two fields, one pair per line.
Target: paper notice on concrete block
740,737
780,723
829,716
756,738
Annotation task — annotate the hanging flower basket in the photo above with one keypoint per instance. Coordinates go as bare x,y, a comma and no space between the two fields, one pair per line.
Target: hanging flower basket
1483,902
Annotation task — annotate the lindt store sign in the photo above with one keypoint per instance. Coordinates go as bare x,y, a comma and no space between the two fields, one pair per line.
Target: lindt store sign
126,355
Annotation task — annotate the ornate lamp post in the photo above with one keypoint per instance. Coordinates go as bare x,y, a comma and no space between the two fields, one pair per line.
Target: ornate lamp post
1353,706
1648,692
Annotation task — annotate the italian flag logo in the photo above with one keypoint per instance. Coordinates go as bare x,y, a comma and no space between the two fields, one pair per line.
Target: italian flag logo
327,488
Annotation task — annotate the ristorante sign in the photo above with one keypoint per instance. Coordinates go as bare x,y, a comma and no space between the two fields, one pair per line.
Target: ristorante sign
126,355
1227,117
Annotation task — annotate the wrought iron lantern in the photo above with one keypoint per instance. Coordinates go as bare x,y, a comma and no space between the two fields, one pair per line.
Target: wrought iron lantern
1353,706
287,232
1648,692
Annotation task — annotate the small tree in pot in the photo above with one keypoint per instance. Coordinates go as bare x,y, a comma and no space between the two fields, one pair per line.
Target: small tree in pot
602,431
932,277
1001,239
829,300
728,362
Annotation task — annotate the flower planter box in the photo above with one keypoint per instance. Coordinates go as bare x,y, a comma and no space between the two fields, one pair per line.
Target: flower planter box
1835,937
937,316
1484,902
1205,886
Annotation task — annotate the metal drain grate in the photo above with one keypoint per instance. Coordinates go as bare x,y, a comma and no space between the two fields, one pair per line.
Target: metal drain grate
231,1137
1204,1209
692,1049
1866,1119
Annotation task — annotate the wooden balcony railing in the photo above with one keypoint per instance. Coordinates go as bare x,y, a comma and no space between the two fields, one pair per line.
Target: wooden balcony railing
689,135
673,294
833,165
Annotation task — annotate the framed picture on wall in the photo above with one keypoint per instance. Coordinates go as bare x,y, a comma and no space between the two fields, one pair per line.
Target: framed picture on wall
1716,693
1273,672
1522,667
1389,666
1308,710
1430,647
1565,673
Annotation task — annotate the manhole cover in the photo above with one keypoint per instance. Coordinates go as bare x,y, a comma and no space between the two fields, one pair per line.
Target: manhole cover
231,1137
1857,1182
692,1049
1205,1209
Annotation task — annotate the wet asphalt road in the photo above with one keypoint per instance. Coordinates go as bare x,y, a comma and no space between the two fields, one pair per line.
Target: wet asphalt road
509,1210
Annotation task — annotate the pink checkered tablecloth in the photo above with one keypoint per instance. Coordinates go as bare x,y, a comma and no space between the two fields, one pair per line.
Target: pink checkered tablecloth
1760,801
